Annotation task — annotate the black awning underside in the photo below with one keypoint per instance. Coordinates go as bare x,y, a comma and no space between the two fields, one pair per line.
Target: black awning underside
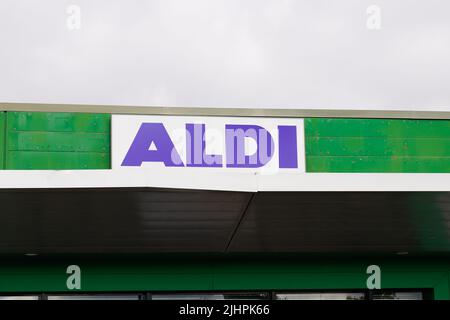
146,220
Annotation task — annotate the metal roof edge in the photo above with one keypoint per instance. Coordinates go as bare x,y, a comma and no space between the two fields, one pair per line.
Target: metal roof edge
228,112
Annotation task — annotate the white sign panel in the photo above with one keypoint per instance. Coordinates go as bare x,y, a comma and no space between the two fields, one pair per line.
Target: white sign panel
206,144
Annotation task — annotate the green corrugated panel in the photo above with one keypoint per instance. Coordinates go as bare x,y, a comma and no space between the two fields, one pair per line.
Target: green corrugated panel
40,140
58,142
334,127
57,160
374,146
377,145
59,121
2,140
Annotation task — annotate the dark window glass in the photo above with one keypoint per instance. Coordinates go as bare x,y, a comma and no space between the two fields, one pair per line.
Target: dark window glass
24,297
391,294
397,295
211,296
94,297
321,296
187,296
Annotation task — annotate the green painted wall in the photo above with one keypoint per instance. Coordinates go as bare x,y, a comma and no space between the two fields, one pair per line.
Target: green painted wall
35,274
39,140
377,145
2,139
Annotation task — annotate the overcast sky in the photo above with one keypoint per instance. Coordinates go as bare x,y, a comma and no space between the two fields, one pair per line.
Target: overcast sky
227,53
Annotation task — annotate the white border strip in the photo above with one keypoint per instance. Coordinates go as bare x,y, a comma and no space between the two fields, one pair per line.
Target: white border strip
173,179
356,182
223,181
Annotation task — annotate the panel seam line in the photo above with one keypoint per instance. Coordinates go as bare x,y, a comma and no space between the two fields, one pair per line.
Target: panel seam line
238,224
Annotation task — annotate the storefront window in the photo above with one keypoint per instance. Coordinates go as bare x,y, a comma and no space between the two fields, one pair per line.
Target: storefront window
24,297
397,295
368,295
390,294
94,297
321,296
212,296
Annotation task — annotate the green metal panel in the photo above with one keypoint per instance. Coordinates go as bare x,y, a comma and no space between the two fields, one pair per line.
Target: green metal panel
58,142
194,273
2,139
377,145
39,140
59,122
441,288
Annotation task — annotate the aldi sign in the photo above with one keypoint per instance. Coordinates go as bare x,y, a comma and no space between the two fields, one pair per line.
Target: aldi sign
228,143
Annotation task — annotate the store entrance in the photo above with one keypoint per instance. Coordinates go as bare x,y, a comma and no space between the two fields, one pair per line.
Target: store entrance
389,294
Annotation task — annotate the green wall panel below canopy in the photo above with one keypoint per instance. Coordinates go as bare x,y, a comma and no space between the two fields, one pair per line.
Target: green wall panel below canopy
214,273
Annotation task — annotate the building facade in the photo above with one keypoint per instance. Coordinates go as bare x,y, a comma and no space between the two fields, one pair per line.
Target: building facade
225,244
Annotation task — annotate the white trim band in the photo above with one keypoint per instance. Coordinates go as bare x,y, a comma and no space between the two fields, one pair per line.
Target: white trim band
205,179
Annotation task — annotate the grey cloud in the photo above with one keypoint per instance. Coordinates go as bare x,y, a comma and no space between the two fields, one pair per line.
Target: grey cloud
228,53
